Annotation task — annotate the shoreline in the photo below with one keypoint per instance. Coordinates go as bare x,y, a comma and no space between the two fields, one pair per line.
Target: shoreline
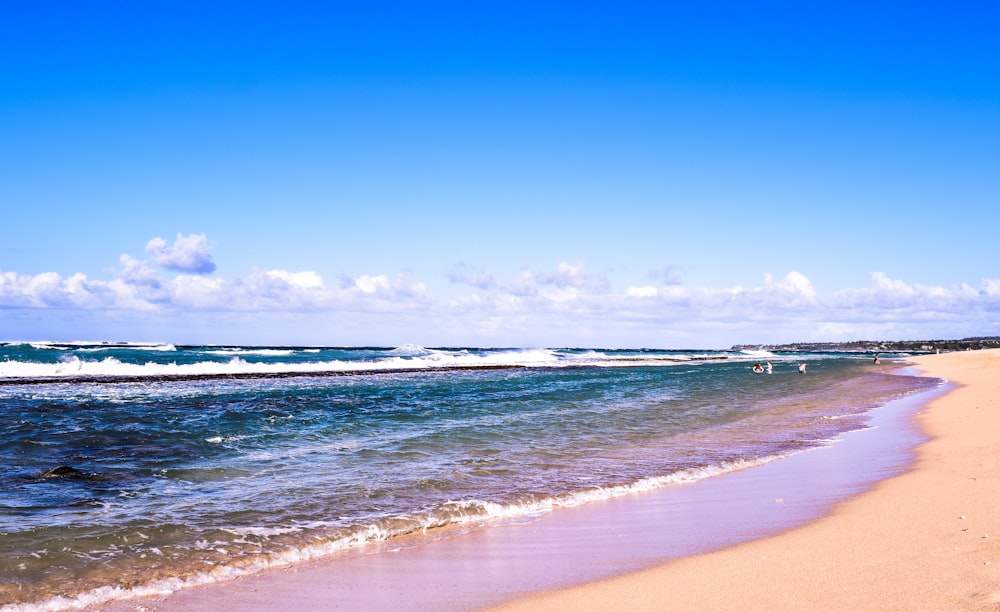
535,565
925,539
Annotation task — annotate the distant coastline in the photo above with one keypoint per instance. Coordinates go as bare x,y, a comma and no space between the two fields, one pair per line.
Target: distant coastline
881,346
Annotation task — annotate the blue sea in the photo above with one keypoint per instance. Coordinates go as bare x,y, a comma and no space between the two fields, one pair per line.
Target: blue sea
141,468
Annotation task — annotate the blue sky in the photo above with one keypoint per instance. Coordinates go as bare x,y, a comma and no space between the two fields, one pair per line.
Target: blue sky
503,174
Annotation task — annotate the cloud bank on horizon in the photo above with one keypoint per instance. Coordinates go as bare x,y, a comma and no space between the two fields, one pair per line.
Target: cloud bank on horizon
565,306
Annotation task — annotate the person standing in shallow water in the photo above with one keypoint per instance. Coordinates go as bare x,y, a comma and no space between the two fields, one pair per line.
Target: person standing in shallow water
769,367
802,368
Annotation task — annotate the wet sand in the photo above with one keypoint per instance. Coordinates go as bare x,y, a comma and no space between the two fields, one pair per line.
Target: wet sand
914,541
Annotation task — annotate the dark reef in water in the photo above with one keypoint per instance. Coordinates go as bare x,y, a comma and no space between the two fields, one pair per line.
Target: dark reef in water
124,378
71,474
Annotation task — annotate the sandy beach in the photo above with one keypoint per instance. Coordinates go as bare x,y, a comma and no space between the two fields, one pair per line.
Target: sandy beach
921,533
926,540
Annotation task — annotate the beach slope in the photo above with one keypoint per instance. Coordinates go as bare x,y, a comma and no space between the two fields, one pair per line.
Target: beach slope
926,540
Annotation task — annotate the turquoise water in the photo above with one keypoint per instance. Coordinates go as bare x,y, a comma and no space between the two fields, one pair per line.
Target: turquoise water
155,466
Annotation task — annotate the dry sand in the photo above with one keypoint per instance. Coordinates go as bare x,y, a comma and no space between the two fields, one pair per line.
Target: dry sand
926,540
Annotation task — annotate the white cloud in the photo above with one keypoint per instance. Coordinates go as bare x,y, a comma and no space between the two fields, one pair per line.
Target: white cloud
50,290
568,275
530,282
476,278
667,275
563,306
135,271
888,293
792,291
187,290
188,254
641,292
301,280
991,287
796,286
372,284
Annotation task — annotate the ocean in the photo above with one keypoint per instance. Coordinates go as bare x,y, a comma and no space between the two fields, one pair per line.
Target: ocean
145,468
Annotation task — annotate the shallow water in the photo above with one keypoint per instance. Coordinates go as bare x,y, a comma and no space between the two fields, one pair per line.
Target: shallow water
129,465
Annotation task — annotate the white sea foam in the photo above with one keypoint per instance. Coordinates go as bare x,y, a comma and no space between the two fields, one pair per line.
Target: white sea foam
240,362
407,350
263,352
49,346
261,532
81,345
73,366
166,348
